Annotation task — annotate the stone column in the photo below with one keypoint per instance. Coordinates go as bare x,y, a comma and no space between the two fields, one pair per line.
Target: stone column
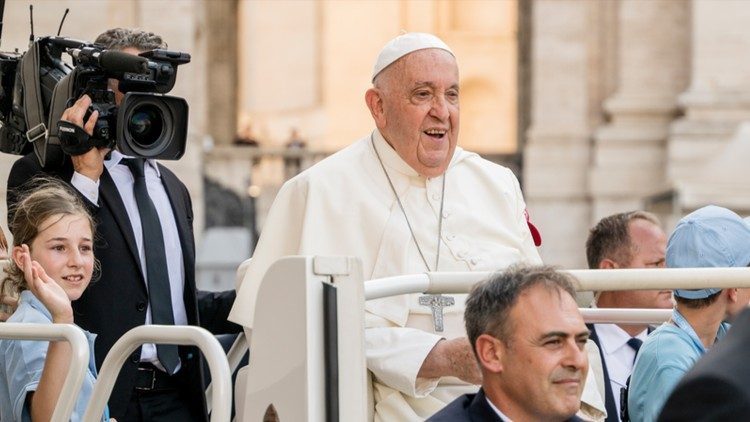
279,66
221,65
183,26
566,85
630,150
715,104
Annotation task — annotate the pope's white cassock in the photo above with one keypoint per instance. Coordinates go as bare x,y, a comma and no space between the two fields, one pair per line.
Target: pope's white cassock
345,206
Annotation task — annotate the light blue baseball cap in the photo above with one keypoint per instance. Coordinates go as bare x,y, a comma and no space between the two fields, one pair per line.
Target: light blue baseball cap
708,237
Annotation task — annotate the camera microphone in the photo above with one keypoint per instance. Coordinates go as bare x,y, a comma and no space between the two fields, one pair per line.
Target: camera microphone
113,61
118,61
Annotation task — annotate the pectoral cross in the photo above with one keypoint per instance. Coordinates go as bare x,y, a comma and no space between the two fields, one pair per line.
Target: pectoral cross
436,304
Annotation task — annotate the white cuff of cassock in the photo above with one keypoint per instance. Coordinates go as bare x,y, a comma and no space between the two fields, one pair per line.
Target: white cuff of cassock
395,355
88,188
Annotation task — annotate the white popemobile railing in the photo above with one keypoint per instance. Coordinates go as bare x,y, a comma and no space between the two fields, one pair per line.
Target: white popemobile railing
221,397
457,283
304,272
587,280
79,359
234,358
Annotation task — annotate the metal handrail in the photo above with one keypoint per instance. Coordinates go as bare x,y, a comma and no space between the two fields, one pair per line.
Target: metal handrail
79,359
221,400
631,316
586,280
234,357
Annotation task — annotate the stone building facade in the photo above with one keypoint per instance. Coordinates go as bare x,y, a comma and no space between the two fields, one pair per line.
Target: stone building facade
610,105
635,104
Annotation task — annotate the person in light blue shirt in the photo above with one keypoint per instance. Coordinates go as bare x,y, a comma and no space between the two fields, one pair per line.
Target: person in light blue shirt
23,363
709,237
52,263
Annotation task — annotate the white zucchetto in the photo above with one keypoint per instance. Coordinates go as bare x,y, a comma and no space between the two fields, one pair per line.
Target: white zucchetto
403,45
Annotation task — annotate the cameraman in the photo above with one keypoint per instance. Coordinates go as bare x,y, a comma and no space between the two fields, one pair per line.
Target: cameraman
156,383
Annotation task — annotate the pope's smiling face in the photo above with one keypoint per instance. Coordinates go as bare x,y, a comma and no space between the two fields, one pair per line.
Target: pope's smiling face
415,106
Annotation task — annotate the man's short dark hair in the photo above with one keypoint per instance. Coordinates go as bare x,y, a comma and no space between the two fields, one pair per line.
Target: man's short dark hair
610,238
490,302
122,38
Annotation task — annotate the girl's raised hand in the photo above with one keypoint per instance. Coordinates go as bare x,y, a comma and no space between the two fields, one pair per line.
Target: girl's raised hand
46,289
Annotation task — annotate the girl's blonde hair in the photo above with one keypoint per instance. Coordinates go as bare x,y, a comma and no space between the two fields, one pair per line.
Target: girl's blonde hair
39,199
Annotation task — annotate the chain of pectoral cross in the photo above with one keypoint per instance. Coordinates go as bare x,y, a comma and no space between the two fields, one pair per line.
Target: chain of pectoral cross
435,302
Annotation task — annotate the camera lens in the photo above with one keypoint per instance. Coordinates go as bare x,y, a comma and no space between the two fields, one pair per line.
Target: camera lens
146,124
152,125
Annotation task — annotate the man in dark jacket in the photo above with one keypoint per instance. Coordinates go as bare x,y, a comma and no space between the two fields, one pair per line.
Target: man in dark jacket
529,338
632,239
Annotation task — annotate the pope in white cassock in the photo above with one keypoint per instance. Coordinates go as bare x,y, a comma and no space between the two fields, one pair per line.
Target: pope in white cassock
405,199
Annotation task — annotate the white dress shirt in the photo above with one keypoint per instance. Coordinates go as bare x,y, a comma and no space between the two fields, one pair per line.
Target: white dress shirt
500,414
123,179
618,356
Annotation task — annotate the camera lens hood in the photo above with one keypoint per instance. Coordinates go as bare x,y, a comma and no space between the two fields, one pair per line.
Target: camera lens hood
152,125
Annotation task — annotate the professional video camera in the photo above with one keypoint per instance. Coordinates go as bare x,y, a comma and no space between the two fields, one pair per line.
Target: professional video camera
36,87
146,123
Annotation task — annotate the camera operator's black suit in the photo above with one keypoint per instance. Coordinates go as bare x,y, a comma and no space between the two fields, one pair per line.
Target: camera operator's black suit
118,301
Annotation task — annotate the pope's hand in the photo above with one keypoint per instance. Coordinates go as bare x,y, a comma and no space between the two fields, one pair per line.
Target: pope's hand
46,289
453,358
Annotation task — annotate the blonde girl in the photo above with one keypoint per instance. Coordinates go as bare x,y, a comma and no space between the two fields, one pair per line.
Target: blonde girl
52,263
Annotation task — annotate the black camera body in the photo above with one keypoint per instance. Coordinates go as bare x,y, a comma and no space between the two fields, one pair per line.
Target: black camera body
102,101
36,89
11,112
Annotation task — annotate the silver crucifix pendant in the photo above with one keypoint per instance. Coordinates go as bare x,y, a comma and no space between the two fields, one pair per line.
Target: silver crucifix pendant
436,304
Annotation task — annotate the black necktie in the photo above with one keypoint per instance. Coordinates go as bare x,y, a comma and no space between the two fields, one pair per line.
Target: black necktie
156,263
635,344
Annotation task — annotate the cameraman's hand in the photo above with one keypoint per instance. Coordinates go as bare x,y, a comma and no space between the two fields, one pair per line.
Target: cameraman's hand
90,164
